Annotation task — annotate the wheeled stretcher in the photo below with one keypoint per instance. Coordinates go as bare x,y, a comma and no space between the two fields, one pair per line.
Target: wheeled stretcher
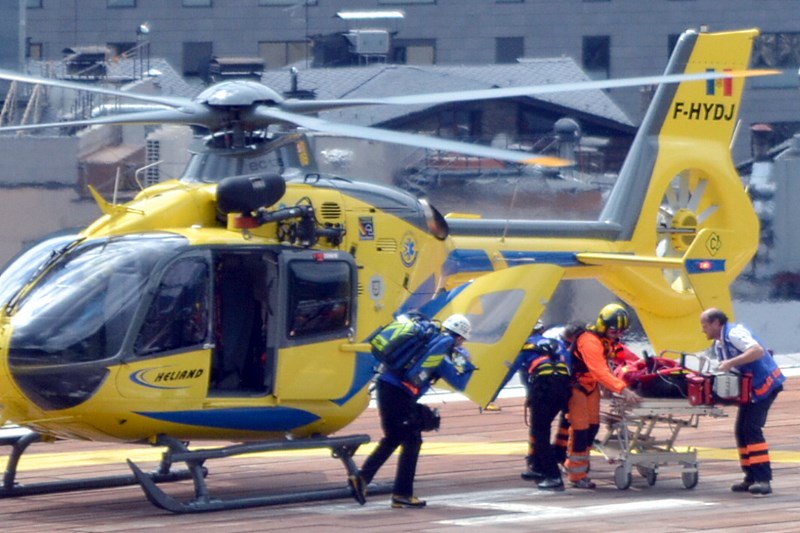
642,437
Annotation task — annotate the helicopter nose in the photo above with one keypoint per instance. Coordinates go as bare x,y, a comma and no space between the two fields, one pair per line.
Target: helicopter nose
55,387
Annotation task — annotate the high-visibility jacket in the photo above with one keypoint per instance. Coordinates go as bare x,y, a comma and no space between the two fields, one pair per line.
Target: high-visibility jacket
590,355
767,376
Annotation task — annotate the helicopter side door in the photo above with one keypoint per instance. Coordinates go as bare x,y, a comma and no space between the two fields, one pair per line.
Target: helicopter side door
317,294
244,321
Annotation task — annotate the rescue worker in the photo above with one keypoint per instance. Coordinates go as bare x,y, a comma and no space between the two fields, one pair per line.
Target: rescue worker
528,355
549,393
590,369
397,397
739,349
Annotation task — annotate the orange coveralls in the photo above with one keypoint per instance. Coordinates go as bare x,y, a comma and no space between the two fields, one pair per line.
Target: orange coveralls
590,368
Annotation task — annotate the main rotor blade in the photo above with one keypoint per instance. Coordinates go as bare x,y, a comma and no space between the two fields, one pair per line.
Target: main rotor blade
408,139
306,106
169,101
198,117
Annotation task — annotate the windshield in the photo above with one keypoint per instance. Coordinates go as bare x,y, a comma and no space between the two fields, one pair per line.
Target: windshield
20,270
81,309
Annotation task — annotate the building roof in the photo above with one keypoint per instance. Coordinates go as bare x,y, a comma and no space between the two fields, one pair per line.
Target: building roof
123,71
378,80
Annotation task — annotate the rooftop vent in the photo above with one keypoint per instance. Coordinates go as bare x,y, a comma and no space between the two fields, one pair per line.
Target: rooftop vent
226,68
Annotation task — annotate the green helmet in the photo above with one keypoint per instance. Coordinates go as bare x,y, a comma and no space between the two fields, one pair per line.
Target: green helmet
612,316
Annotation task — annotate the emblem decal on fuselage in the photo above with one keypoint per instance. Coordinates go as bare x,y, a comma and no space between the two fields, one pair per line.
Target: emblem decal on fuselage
366,229
376,287
165,377
408,250
713,244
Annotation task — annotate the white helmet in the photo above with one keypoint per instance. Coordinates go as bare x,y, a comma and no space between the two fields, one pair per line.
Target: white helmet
458,324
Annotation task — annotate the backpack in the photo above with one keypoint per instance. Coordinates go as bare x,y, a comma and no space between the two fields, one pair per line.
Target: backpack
399,344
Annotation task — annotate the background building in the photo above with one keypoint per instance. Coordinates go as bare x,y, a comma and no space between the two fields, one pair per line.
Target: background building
608,38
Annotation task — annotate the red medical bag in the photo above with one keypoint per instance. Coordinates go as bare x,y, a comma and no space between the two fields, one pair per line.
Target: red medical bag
711,389
699,389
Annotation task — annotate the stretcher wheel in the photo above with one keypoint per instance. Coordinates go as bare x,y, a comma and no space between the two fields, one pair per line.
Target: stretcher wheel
651,476
648,473
690,479
622,478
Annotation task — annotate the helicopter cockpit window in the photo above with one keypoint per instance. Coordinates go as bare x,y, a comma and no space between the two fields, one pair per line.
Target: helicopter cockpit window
178,314
320,297
81,309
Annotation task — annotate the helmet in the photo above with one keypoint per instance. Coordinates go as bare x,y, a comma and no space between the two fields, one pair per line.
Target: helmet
458,324
546,346
612,316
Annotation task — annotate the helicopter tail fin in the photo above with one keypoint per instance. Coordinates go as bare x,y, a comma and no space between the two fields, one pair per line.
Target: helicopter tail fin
693,216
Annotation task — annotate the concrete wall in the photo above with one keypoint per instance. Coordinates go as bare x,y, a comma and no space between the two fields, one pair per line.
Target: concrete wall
9,34
29,213
39,160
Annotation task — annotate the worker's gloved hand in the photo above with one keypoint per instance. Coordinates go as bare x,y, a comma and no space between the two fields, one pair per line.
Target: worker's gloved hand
462,360
630,397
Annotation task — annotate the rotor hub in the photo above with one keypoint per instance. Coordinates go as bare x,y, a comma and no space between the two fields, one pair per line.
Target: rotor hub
685,221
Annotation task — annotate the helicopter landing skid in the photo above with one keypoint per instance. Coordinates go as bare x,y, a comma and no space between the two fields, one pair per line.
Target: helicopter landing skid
11,489
342,448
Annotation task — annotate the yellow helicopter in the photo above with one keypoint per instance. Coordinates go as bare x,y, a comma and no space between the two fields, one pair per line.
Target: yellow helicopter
236,308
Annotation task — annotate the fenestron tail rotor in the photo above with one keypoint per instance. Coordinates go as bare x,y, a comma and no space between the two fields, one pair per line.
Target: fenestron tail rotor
686,206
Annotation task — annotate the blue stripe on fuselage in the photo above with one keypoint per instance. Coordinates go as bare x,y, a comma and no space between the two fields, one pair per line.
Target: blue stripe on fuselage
362,374
479,261
467,261
240,418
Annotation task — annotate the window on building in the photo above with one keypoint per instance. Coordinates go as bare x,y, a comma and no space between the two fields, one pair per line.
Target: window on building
414,51
509,49
121,48
286,2
462,124
597,56
278,54
777,50
672,42
33,4
121,3
35,50
196,57
196,3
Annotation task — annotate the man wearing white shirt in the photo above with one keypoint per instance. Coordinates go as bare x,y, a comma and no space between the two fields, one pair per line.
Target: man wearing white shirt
737,348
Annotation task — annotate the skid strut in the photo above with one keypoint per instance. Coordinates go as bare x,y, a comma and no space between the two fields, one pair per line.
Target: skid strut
11,488
342,448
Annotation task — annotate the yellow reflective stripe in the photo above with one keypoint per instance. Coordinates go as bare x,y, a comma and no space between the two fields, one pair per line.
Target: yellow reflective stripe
432,361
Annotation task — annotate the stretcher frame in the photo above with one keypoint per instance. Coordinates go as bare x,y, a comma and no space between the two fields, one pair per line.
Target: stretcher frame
643,437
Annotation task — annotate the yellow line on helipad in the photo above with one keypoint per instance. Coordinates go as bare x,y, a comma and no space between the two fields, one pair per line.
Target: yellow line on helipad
43,461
